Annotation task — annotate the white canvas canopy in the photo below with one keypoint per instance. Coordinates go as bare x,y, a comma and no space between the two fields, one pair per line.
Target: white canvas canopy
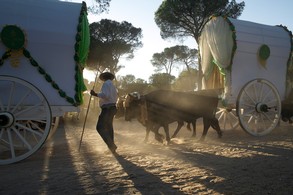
51,28
243,51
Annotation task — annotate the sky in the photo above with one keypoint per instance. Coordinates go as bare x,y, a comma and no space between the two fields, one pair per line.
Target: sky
140,13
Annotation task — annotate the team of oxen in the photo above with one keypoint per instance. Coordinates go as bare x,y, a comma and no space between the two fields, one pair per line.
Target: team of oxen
162,107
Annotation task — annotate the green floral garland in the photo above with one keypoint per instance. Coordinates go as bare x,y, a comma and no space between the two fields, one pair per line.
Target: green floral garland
14,39
48,78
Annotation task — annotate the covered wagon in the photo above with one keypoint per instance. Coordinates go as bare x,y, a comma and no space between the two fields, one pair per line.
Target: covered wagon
251,63
43,48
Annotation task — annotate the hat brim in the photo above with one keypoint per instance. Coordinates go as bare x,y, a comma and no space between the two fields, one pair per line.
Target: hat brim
106,76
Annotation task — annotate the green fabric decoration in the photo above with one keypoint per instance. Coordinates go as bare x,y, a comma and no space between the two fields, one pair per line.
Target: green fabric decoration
233,29
221,70
264,52
81,52
6,55
34,63
77,38
55,86
26,53
12,37
70,100
81,87
41,70
85,40
48,78
79,27
62,93
76,57
76,46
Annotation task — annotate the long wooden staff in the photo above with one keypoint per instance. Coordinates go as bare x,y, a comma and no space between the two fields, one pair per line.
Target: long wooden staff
87,111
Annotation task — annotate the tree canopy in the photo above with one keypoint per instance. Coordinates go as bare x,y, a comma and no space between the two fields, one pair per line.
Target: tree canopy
161,80
187,57
98,6
110,40
183,18
172,57
186,81
128,83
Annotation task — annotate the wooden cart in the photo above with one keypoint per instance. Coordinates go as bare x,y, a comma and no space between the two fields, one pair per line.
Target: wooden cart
43,48
251,63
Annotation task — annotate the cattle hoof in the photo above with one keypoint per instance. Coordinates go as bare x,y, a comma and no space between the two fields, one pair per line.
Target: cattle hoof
159,139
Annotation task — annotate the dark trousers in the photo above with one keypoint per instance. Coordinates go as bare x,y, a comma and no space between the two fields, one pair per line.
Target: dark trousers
105,126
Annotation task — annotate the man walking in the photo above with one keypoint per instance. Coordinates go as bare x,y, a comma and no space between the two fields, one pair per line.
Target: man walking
107,101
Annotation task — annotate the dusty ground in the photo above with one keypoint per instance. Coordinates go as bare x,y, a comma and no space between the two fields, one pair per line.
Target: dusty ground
236,164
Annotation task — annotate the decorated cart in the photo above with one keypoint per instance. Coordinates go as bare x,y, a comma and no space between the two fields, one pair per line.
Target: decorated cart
251,63
43,48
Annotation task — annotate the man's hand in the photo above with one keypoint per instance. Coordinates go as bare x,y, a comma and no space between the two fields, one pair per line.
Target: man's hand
93,93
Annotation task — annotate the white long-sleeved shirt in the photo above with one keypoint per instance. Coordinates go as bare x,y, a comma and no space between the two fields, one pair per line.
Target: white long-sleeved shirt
108,93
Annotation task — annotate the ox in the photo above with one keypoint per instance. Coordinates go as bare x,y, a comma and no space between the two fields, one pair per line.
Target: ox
130,113
162,107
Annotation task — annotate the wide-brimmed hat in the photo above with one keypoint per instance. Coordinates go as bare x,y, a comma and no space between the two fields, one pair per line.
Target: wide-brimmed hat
106,76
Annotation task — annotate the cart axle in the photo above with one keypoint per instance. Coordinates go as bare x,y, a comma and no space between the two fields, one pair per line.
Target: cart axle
6,119
260,107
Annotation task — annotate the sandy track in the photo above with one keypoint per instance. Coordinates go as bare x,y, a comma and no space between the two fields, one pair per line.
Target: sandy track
236,164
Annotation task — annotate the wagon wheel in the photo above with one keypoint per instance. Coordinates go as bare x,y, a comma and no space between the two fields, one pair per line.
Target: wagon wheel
25,119
227,118
258,107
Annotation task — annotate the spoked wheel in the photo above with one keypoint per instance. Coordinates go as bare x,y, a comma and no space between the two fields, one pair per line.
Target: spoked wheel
25,119
258,107
227,117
